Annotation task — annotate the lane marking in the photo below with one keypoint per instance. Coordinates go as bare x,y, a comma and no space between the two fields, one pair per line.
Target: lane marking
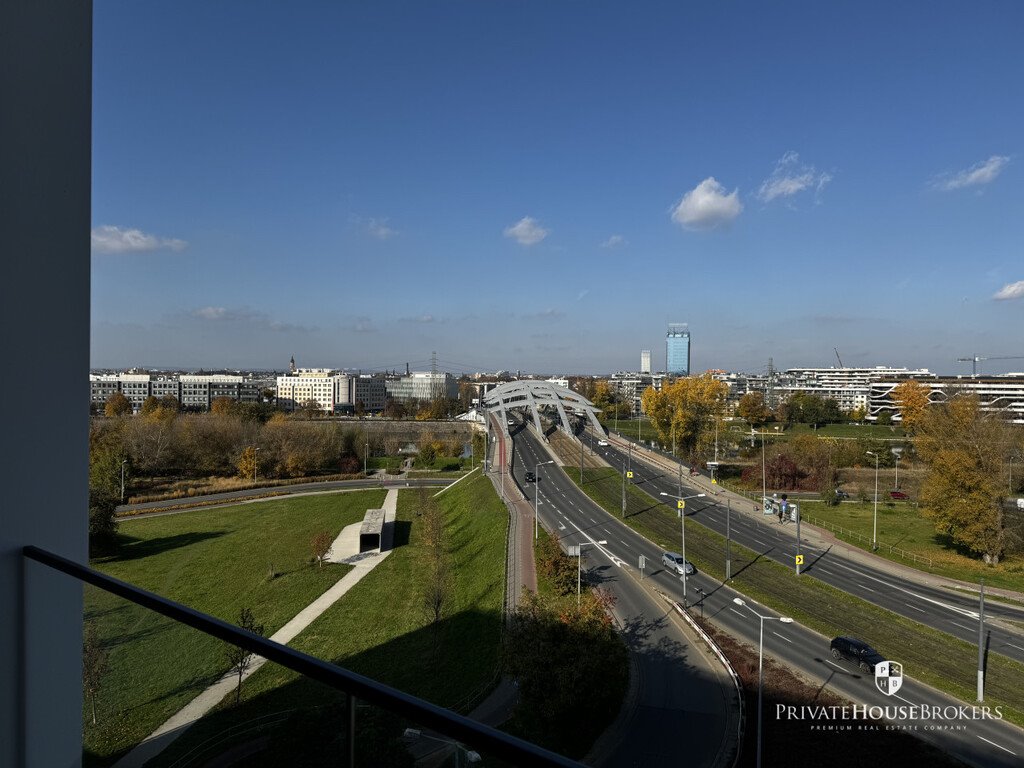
969,629
922,610
737,612
782,636
869,589
996,745
1015,646
835,665
955,609
902,699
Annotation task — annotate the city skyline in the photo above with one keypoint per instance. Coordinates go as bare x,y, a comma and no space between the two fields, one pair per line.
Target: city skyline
532,189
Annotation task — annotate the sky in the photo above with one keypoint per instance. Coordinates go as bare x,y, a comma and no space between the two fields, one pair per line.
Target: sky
544,186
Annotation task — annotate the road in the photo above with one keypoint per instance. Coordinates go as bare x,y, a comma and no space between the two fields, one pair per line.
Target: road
933,606
683,696
566,510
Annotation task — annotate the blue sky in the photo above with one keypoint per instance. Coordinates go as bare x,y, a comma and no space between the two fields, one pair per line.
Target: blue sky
545,185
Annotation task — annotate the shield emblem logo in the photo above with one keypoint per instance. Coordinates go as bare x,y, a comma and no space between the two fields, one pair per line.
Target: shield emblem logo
888,677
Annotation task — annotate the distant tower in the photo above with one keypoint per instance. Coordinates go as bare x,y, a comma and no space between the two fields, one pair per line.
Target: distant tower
291,365
645,361
677,350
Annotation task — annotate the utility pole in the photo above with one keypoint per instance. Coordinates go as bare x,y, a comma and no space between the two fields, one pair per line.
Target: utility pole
981,643
728,539
798,516
581,453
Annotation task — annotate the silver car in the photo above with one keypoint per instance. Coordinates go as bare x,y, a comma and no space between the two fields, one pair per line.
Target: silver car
675,562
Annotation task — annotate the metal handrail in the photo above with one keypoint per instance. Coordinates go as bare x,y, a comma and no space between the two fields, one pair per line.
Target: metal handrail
481,737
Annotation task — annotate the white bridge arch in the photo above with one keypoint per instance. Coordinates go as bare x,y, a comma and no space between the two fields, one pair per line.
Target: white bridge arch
535,394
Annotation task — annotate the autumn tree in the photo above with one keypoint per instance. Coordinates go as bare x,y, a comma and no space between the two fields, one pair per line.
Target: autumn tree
223,406
687,410
321,546
239,659
965,451
117,405
911,396
104,495
149,405
94,666
753,408
247,463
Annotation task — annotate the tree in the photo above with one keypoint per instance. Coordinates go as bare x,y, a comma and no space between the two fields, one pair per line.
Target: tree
687,410
149,405
104,494
94,665
223,406
117,405
965,449
753,408
321,546
806,408
247,463
911,396
239,658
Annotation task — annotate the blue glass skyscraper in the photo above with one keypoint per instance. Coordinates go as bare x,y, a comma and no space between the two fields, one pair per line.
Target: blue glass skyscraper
677,350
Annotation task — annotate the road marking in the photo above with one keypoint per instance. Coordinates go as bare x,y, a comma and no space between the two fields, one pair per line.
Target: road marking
961,611
561,527
782,636
902,699
996,745
738,613
869,589
922,610
592,519
1015,646
835,665
969,629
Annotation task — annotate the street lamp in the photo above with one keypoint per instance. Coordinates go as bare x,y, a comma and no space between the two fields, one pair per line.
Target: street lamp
536,496
123,462
255,463
366,454
896,455
579,565
681,506
760,664
874,529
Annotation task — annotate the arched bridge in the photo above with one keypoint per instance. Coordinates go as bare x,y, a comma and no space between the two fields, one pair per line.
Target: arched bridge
535,394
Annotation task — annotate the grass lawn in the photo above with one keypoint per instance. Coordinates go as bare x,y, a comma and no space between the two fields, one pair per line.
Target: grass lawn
866,431
933,657
216,561
380,629
903,525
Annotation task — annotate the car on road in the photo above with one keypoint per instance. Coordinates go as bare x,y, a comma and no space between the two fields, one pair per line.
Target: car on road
530,477
602,442
857,651
675,562
841,494
898,495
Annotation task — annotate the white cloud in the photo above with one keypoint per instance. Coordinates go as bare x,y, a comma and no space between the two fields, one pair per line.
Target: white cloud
527,231
379,228
210,313
108,239
615,241
980,173
1010,291
582,294
791,177
424,319
707,206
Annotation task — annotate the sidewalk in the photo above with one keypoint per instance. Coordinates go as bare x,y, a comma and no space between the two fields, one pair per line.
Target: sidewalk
812,534
345,550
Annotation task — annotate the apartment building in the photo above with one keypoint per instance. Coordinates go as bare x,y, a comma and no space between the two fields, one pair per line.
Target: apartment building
996,394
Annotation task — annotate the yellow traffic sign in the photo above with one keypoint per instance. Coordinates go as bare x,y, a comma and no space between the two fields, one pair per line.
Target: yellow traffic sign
629,475
799,559
680,504
714,482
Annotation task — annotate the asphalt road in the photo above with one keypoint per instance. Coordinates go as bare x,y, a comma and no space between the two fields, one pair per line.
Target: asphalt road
683,694
933,606
567,511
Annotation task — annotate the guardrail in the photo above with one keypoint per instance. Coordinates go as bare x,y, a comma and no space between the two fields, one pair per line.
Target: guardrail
355,686
838,530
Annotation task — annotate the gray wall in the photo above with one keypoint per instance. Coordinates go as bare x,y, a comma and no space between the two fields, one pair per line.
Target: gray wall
45,137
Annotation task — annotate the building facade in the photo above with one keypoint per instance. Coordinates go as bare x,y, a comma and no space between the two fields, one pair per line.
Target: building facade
423,386
645,361
677,350
996,394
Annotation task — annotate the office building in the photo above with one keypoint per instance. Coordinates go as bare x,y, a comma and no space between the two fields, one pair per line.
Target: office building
423,386
645,361
677,350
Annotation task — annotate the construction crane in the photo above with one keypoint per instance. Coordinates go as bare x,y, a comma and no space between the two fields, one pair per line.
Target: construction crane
977,359
838,357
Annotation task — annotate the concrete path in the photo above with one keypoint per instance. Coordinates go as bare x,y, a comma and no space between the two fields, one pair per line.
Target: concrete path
344,550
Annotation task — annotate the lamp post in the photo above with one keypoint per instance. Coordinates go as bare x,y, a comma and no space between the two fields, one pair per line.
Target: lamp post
760,664
579,566
874,527
256,463
123,462
764,474
896,455
681,506
366,454
536,496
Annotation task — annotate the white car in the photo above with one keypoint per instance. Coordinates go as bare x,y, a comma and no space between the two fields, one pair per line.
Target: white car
675,562
602,442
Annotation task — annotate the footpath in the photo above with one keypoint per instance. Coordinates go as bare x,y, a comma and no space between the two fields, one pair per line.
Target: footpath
344,550
812,534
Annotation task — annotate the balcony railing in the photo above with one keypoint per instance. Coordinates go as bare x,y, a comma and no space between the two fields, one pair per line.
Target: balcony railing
460,729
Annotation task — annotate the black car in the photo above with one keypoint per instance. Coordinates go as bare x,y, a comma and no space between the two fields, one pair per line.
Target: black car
862,654
841,494
530,477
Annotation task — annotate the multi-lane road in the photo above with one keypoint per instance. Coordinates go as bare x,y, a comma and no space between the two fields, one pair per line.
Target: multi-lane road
566,511
933,606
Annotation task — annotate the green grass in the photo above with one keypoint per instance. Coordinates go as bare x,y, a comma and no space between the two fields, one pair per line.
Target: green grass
444,463
216,561
866,431
379,629
933,657
902,525
416,475
628,428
